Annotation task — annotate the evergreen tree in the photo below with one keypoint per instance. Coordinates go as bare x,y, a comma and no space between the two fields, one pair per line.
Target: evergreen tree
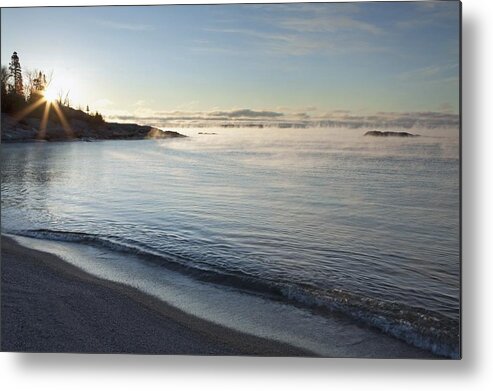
16,73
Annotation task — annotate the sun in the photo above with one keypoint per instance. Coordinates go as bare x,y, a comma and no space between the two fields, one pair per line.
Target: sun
50,95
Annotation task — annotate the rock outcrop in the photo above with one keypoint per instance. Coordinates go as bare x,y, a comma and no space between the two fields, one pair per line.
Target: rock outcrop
377,133
29,129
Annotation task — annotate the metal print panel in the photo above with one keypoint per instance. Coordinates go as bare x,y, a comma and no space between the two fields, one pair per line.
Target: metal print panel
258,179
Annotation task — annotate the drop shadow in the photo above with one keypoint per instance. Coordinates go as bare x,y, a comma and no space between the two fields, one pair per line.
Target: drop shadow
471,163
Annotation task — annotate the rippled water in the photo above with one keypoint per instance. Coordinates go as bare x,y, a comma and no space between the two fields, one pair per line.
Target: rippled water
324,213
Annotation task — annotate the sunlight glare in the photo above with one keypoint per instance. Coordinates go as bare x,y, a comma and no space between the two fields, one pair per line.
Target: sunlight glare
50,94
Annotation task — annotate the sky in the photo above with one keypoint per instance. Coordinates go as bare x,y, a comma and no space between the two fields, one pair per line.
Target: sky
245,61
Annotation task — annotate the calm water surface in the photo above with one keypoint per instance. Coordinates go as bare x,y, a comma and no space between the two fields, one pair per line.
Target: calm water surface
320,217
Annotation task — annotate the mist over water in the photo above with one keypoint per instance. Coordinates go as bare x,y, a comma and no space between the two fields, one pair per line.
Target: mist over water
321,210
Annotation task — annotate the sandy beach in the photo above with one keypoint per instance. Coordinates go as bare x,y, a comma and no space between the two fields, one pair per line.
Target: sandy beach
51,306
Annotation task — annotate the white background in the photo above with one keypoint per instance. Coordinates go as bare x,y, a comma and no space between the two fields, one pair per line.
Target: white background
93,372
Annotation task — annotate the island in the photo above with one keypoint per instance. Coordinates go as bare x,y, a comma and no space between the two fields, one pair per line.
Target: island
377,133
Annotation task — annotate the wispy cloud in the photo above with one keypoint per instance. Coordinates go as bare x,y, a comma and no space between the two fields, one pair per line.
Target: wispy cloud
298,30
111,24
431,73
294,43
431,13
406,120
332,24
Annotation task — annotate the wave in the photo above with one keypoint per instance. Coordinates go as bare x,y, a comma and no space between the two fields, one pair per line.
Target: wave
416,326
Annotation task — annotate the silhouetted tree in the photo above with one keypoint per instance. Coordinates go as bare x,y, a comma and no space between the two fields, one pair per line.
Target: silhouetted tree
40,82
36,83
98,118
16,73
4,79
17,94
13,98
63,98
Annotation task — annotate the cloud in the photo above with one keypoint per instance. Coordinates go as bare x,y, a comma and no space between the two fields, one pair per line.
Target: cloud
329,24
431,13
246,113
147,114
124,26
431,72
421,73
321,17
299,30
336,118
286,42
427,119
302,115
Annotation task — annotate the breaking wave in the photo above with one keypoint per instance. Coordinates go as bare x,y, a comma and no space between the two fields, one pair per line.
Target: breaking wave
416,326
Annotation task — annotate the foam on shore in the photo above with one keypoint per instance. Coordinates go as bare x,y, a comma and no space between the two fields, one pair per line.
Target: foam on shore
245,313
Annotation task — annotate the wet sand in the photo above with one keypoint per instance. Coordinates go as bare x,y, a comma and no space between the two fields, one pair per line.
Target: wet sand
48,305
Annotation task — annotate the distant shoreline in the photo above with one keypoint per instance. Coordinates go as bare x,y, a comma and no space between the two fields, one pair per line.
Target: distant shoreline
49,305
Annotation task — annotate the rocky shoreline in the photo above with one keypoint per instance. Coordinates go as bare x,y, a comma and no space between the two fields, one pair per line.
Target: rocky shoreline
28,130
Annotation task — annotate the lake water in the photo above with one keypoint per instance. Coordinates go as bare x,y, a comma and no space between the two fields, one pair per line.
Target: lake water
323,225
